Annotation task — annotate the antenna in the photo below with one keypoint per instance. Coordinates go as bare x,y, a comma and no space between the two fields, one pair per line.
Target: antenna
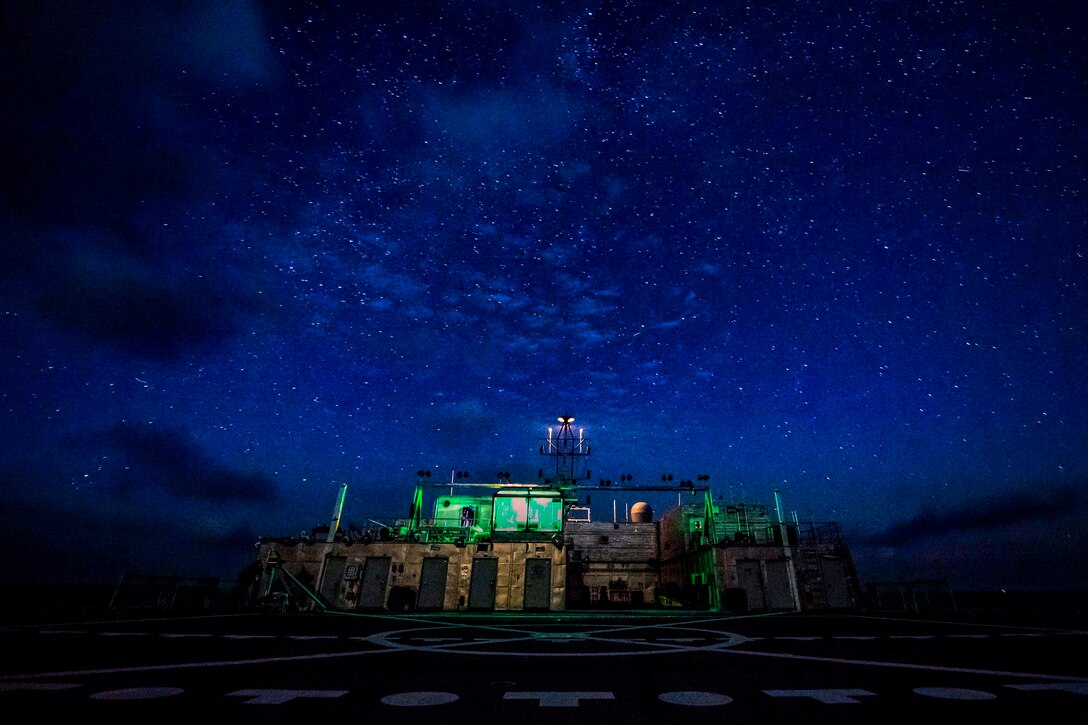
567,448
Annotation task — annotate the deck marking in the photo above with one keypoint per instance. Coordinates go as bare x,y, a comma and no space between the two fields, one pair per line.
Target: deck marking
967,636
138,693
620,647
828,697
695,699
419,699
912,636
248,636
969,624
1077,688
954,693
308,637
278,697
559,699
194,665
904,665
36,686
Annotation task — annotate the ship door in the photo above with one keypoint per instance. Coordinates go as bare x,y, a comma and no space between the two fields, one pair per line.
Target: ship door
750,579
331,577
779,591
538,583
835,579
432,583
375,578
481,591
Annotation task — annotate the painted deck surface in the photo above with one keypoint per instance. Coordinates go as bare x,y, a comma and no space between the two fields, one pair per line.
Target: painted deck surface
650,667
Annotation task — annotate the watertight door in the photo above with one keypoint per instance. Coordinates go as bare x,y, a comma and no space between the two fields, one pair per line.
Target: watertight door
750,579
432,583
481,592
331,577
835,579
538,583
779,593
375,577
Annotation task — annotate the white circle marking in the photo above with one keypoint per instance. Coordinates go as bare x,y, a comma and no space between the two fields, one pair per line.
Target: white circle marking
419,699
695,699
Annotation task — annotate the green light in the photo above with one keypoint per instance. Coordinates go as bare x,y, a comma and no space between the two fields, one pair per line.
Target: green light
545,514
529,513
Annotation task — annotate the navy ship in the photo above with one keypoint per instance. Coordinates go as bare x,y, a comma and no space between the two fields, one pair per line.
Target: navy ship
503,545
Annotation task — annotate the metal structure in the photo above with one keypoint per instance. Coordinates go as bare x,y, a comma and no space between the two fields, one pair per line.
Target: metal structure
508,545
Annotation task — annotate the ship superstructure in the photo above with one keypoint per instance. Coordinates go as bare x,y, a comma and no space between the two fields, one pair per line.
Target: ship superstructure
505,545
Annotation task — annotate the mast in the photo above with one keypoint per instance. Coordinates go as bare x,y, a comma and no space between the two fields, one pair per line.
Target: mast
336,511
568,449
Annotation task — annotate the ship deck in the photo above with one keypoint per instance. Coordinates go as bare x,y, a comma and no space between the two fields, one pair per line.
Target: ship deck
639,667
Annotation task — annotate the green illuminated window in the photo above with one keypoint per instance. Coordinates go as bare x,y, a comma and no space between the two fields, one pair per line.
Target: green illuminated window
528,513
545,514
511,514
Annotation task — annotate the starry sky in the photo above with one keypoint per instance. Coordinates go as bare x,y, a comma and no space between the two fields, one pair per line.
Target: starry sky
254,250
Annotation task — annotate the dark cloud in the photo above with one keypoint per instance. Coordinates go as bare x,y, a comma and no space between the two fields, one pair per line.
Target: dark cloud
236,538
1042,503
70,545
105,120
137,315
168,460
111,166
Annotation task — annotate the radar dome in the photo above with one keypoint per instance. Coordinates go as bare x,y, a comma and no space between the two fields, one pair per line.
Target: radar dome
641,513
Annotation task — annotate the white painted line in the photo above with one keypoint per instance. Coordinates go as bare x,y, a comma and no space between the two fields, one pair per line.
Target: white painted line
857,637
960,624
137,693
559,699
419,699
36,686
442,639
912,636
954,693
278,697
1077,688
122,634
695,699
798,639
248,636
195,665
306,637
1020,634
405,639
184,635
902,665
829,697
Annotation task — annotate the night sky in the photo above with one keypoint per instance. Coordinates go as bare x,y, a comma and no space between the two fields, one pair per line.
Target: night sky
253,250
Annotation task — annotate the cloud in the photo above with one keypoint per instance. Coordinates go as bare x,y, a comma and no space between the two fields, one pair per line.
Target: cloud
1036,504
131,310
167,460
